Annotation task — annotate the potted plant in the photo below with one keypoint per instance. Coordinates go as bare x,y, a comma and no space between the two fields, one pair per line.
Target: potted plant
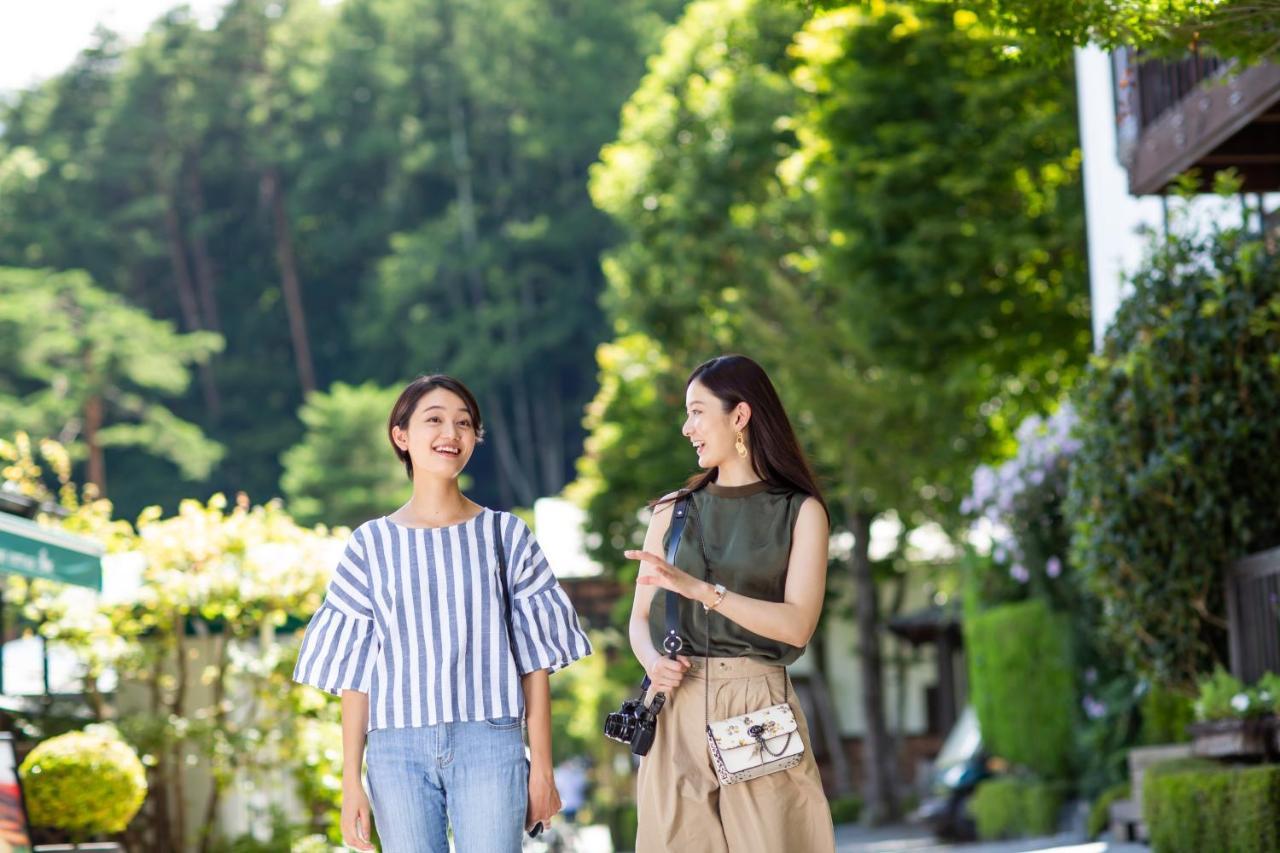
84,783
1233,720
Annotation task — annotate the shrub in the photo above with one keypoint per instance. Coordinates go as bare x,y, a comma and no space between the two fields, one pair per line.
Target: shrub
1192,806
846,809
1165,716
1023,685
1100,811
1178,474
1011,807
86,783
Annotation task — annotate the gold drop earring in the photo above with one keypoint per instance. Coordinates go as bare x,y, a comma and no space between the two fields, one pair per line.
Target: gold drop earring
740,446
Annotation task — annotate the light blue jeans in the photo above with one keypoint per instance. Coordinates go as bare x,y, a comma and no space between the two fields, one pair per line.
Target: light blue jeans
470,776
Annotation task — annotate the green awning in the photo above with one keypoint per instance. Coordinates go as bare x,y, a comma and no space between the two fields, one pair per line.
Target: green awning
34,551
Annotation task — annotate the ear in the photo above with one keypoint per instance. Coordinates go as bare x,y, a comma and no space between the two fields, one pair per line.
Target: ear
741,415
400,437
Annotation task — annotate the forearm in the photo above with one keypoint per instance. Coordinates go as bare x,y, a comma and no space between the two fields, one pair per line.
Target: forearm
641,644
355,722
778,620
537,707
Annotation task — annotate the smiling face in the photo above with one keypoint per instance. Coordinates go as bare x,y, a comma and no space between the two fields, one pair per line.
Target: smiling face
712,431
439,436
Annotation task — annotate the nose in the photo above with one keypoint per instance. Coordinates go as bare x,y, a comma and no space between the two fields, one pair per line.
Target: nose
685,430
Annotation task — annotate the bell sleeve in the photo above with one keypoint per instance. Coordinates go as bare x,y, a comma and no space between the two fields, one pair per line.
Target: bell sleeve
340,647
548,635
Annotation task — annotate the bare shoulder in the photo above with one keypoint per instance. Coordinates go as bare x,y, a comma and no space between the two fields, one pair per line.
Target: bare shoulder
812,518
660,520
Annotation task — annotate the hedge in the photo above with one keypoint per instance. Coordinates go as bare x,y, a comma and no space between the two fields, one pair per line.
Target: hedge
1193,806
1023,686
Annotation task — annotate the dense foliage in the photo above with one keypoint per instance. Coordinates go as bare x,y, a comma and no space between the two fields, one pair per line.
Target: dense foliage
1178,472
354,192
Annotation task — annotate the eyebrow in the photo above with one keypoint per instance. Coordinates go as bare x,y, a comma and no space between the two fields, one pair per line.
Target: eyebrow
694,403
462,411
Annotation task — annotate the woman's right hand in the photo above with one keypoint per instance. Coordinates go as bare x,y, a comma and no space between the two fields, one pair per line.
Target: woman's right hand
666,674
356,816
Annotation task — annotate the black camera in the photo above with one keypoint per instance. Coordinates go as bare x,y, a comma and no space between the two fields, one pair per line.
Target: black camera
635,723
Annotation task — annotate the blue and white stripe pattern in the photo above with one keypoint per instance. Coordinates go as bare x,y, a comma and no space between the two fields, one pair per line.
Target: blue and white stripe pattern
413,617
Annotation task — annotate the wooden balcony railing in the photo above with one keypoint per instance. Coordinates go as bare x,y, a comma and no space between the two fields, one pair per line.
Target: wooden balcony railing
1198,112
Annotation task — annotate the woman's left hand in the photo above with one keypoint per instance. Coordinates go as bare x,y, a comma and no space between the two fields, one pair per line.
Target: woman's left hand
663,574
544,799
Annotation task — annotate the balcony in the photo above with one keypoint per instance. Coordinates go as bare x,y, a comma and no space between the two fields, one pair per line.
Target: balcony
1196,113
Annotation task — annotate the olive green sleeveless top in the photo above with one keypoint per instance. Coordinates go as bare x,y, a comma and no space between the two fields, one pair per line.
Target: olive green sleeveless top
746,531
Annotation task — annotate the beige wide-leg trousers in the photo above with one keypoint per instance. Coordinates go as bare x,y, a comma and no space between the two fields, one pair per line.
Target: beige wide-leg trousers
682,809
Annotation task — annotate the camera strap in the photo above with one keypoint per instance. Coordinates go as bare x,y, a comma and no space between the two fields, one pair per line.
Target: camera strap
671,643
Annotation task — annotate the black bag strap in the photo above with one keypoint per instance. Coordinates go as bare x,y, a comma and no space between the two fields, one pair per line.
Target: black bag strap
671,643
501,548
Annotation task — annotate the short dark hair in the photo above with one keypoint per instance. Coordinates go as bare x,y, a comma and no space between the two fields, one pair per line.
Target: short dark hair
408,402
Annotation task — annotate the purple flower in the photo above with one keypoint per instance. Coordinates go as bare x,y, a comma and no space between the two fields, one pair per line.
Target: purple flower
1053,567
1019,573
1090,675
1093,709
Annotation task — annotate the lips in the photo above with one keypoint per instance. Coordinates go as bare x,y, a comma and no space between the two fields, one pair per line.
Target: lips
450,452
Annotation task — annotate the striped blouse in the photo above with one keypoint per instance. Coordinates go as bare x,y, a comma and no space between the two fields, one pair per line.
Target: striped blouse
414,618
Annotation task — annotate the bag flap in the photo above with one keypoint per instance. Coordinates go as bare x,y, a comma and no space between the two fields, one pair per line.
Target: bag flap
774,721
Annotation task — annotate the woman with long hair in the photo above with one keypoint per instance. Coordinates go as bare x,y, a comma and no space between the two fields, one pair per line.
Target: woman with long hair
440,625
750,573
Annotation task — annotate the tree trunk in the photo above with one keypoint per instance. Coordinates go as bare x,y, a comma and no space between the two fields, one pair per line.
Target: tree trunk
290,282
881,802
220,722
510,468
187,295
206,277
97,459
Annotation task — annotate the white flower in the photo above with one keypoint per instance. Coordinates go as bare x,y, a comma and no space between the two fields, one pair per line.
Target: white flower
1240,702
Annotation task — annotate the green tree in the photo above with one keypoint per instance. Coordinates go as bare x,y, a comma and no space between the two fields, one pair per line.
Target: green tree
731,180
1241,29
85,367
343,471
358,191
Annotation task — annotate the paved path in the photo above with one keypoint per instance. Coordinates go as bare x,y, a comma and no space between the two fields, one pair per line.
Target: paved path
851,838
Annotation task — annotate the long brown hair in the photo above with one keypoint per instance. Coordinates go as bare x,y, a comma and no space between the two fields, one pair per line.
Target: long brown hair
408,402
775,452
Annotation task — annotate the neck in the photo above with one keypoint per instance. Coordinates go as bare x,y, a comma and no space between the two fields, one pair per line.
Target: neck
737,472
435,499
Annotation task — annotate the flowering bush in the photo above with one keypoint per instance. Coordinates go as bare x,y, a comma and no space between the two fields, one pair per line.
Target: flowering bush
1021,500
217,581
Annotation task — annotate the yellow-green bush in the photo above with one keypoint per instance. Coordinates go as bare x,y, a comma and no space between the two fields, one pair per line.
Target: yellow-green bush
83,782
1192,806
1014,807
